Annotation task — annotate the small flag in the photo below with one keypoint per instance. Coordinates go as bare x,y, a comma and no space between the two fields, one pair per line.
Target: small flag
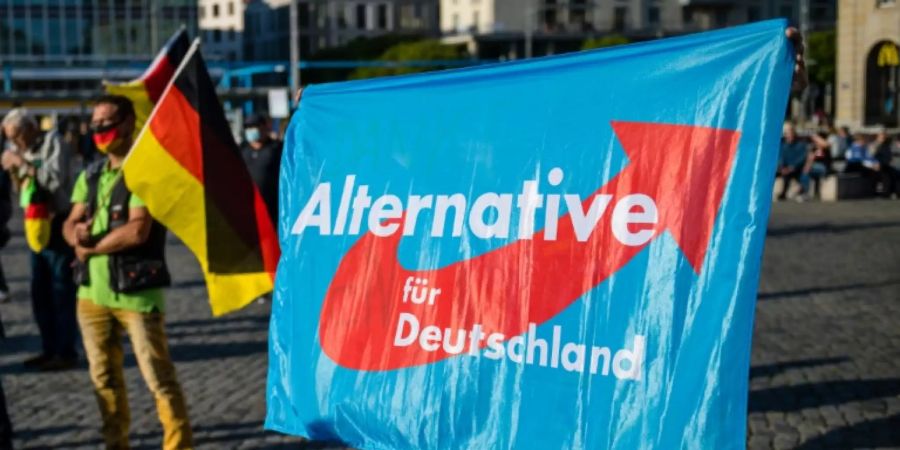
187,168
37,216
146,90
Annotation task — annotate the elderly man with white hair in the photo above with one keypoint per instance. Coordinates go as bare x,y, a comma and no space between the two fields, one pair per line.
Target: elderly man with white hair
42,160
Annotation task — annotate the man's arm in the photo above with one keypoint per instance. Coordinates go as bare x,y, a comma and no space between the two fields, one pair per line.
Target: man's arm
75,230
132,234
800,79
819,142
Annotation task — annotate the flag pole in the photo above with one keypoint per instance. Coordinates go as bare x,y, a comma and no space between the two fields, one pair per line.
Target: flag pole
295,48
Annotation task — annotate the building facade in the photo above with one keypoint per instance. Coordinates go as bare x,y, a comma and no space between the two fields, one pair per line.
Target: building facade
50,31
868,65
331,23
505,28
53,51
222,28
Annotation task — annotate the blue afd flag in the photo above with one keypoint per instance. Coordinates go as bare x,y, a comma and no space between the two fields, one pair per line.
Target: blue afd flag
555,253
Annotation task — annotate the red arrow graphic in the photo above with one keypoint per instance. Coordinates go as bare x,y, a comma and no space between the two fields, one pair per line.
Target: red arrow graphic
683,168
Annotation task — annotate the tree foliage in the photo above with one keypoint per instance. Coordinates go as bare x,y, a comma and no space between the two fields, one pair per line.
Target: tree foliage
821,50
359,49
423,50
605,41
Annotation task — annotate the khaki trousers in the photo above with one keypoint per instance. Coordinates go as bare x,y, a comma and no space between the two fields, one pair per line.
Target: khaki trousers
101,331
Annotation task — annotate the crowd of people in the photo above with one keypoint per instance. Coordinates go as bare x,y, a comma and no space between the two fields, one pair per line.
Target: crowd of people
101,270
836,150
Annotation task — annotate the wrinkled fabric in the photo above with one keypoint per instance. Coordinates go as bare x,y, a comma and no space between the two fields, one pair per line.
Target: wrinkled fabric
555,253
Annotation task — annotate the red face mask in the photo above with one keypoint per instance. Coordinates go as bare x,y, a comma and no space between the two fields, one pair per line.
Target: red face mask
105,139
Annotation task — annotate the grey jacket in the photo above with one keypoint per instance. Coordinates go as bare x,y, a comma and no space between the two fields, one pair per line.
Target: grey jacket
55,169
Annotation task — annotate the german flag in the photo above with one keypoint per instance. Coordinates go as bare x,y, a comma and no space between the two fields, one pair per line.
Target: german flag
187,168
37,215
146,90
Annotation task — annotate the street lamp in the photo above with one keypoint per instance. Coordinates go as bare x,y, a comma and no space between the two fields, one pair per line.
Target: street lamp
530,18
295,48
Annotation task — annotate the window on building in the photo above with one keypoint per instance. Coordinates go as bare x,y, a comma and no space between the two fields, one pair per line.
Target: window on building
217,36
303,16
382,13
361,17
344,18
722,18
883,3
578,14
819,13
653,16
620,18
215,11
201,12
787,11
753,14
231,8
231,35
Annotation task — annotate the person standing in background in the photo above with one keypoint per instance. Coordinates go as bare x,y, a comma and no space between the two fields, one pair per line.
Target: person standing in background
838,141
262,154
5,215
5,425
883,154
43,162
792,159
122,272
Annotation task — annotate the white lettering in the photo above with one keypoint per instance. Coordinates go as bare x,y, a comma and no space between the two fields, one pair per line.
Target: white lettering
584,223
403,341
633,219
321,202
635,359
386,207
500,228
623,216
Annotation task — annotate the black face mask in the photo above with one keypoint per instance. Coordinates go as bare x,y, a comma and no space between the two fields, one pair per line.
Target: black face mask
105,128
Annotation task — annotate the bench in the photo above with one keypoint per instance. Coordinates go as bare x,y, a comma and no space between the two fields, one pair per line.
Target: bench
833,187
845,186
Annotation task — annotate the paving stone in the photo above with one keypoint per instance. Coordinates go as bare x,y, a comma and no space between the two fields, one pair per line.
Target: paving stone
825,361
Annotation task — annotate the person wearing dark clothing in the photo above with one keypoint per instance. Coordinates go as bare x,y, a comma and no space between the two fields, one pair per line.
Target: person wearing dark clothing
5,215
262,154
791,159
43,161
886,174
858,158
5,425
818,163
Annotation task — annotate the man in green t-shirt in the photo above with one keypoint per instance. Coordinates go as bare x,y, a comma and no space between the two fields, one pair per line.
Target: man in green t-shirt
122,270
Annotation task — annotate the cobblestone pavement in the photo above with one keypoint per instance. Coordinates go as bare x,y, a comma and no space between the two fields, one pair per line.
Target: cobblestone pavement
826,355
826,348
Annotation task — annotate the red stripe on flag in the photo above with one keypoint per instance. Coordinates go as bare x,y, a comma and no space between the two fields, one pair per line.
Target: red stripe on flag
268,234
37,211
176,127
157,77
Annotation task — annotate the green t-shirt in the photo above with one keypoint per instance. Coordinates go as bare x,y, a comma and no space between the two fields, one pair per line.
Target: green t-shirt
99,290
